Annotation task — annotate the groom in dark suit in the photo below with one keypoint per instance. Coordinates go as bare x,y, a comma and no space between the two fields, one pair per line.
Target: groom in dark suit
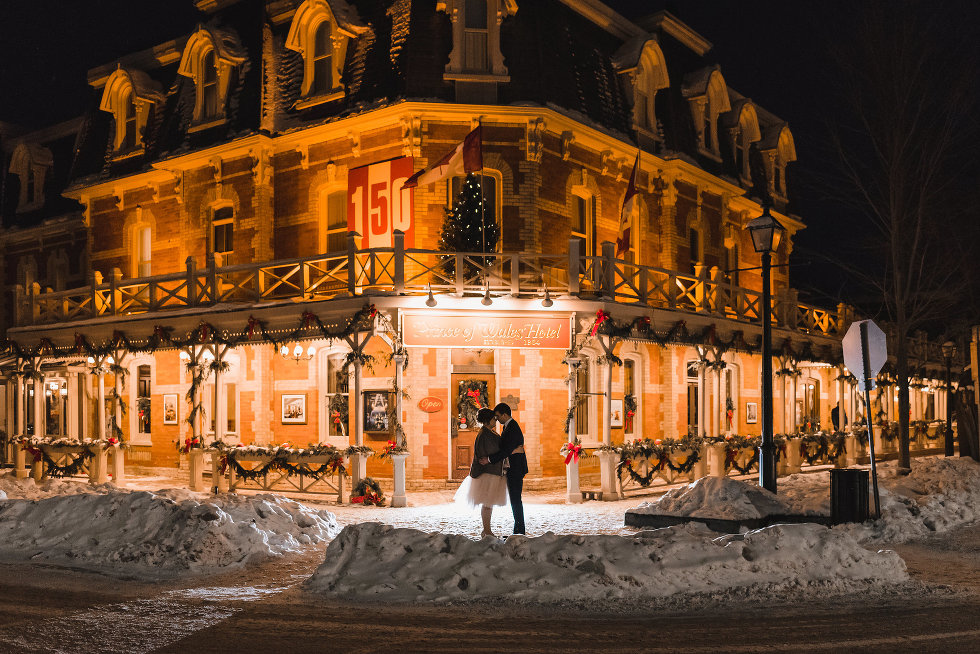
511,448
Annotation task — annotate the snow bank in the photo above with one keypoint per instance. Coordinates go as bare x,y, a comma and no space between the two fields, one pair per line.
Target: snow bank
372,560
938,495
730,499
28,489
164,532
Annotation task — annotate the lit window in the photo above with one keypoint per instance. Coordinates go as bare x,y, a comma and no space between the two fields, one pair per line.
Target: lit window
143,393
629,388
223,242
488,189
144,238
128,121
333,223
583,219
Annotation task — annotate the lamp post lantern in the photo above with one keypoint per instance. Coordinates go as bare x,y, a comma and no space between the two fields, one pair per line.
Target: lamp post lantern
949,349
766,233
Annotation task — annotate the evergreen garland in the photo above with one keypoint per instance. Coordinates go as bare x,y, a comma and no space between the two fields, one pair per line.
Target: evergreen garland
468,228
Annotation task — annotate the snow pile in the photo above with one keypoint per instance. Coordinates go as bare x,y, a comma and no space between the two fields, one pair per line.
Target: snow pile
729,499
938,495
168,531
28,489
372,560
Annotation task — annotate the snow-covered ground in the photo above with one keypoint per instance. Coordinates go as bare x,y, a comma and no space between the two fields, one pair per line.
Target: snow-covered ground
431,551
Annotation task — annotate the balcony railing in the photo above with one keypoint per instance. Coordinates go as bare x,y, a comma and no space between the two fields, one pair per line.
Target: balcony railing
400,271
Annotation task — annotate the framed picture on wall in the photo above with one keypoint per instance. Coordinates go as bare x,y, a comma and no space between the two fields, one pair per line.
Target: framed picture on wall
170,415
751,413
616,419
294,409
376,410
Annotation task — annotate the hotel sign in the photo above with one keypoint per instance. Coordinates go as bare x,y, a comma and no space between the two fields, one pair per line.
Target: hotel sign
486,331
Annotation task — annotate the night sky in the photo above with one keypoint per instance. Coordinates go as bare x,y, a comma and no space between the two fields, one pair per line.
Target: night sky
775,52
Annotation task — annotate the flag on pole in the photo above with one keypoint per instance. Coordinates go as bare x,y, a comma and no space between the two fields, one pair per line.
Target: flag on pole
467,157
626,215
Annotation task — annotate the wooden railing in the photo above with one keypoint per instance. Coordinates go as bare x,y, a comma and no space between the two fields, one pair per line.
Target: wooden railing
400,271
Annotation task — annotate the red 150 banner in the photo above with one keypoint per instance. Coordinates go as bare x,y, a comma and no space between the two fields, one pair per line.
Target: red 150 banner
377,205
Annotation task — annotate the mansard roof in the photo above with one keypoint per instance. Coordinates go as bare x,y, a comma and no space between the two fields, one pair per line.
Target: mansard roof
558,53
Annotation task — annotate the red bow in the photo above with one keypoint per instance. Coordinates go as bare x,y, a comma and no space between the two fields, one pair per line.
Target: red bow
573,453
600,317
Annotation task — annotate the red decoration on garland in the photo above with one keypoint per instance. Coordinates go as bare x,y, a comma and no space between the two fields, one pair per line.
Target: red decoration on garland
474,395
308,319
250,328
600,317
79,343
204,332
372,310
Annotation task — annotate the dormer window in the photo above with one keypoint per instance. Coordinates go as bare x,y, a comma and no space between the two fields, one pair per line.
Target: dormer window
476,55
779,150
321,32
643,61
707,94
31,163
129,96
744,135
211,59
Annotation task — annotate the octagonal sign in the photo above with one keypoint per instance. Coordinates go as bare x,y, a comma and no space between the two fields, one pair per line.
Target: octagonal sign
860,335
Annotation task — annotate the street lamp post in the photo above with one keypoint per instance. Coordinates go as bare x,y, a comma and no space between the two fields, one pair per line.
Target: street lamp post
766,232
949,349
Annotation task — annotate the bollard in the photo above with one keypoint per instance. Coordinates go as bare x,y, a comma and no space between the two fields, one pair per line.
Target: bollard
20,462
716,459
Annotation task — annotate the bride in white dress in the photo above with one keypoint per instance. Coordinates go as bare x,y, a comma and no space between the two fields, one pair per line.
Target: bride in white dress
485,486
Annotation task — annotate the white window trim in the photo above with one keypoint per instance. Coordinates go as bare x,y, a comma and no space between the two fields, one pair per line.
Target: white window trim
715,102
133,366
743,136
587,194
322,217
591,438
638,385
231,376
27,160
649,77
212,210
120,85
323,413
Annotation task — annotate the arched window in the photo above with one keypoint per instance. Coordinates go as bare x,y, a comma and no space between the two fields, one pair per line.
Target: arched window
707,94
210,59
322,59
649,77
129,95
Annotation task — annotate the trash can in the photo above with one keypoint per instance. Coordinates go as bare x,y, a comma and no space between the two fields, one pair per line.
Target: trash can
848,495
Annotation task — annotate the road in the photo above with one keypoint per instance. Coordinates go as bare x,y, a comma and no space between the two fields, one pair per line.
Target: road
265,609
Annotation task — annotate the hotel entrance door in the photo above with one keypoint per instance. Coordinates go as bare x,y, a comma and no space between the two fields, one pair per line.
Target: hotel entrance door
469,394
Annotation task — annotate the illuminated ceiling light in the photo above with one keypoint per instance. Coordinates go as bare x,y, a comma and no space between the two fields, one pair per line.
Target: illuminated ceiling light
547,301
431,300
53,385
110,360
91,361
296,354
184,356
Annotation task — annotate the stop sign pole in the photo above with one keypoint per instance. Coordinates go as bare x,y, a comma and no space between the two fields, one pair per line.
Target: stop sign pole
865,353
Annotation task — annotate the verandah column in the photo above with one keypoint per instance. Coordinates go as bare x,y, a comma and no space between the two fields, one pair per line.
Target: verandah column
358,461
608,458
572,485
702,395
20,459
398,495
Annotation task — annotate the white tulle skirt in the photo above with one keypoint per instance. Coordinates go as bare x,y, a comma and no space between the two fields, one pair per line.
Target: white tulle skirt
485,490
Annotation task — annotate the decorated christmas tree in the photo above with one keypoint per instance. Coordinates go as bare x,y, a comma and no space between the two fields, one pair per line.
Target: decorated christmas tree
469,226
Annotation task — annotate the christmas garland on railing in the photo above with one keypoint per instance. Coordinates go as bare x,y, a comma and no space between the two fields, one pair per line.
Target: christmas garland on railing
813,447
735,444
390,450
53,469
280,455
